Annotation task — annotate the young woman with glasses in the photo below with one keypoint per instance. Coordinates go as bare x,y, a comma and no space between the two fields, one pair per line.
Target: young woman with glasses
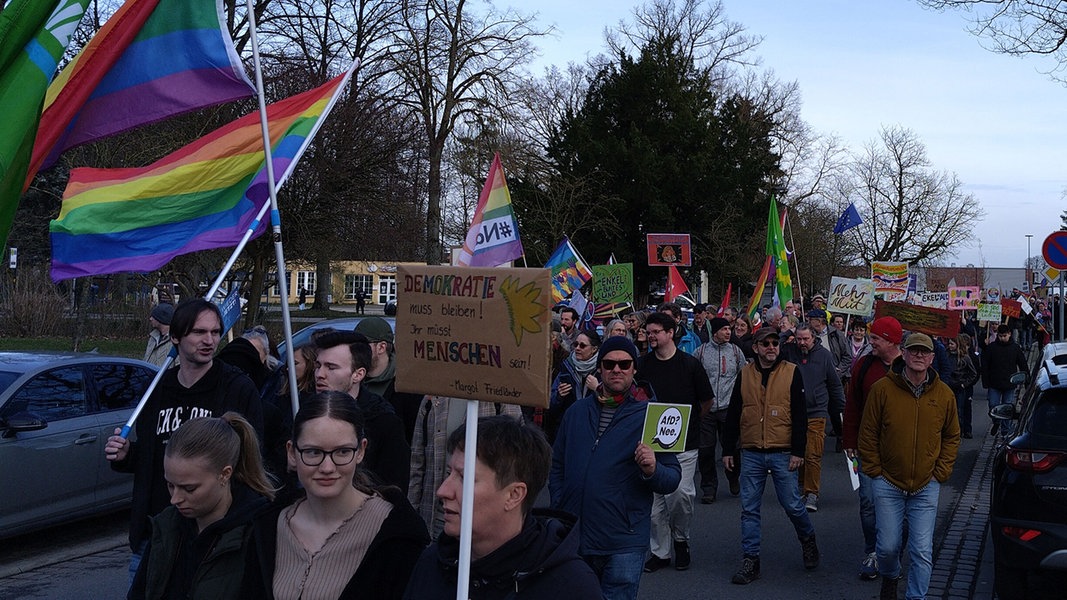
340,536
217,485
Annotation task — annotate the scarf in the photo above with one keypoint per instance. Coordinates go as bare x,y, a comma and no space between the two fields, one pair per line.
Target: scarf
582,368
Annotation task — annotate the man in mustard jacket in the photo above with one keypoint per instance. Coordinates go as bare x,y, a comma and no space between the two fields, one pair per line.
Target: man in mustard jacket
908,441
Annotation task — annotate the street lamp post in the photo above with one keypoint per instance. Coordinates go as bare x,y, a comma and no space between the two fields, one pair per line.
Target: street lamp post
1029,272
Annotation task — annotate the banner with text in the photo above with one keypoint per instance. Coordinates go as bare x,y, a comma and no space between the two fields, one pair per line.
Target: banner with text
890,279
475,333
666,426
912,317
989,312
934,299
613,284
964,298
1011,308
851,296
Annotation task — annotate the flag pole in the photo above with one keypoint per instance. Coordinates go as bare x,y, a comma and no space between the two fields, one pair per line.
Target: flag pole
796,261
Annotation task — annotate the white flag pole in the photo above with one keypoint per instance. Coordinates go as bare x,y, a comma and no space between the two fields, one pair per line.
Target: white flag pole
466,510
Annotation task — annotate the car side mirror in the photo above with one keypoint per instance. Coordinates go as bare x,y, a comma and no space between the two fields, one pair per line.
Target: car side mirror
1003,411
1018,378
22,421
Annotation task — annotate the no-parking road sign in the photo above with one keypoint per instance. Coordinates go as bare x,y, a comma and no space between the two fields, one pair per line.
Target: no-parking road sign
1054,250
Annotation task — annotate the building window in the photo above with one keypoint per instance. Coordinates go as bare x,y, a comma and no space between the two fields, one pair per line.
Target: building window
386,289
354,283
306,280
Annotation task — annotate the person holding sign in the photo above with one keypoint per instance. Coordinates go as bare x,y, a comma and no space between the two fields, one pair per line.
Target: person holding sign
515,550
767,419
601,469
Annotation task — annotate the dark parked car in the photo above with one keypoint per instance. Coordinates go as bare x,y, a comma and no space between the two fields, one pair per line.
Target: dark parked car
345,324
1028,508
56,413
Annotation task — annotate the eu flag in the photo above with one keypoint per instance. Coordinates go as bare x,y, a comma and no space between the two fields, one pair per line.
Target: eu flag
848,219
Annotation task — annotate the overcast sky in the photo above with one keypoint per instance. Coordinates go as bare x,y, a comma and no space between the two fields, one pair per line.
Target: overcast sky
996,121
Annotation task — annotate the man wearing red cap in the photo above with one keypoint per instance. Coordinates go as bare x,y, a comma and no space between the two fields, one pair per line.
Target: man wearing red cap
885,337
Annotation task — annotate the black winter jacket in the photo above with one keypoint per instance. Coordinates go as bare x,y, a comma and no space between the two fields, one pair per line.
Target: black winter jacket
999,362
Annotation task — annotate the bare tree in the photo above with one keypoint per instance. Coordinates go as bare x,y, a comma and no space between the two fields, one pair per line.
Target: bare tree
1018,27
910,212
454,65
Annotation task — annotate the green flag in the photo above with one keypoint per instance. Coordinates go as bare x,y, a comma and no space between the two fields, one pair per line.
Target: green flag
33,36
780,256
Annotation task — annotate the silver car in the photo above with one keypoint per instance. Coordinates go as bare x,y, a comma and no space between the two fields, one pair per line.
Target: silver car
56,413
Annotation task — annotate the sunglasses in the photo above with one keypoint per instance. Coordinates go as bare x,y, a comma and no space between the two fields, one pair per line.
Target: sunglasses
582,345
768,343
609,365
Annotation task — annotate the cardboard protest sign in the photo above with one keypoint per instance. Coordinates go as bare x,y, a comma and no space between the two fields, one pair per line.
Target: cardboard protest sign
963,298
1025,306
1011,308
666,249
851,296
475,333
890,279
613,284
932,321
934,299
989,312
666,426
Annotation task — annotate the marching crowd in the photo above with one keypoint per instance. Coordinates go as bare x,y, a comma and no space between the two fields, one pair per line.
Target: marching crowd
358,494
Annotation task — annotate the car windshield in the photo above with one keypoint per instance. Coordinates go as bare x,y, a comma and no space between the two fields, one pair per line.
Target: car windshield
1050,415
6,379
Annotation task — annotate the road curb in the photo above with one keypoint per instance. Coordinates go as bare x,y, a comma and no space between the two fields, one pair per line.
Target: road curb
64,554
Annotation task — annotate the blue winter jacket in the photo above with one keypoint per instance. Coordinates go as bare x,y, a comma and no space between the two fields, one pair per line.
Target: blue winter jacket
596,478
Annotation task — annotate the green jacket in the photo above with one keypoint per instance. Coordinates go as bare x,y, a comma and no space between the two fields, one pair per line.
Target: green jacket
909,439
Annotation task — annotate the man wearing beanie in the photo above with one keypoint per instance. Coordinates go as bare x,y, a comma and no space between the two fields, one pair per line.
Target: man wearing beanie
159,339
618,478
722,361
767,420
885,336
677,378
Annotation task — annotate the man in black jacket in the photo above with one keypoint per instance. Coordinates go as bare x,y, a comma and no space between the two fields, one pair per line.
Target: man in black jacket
513,552
1000,361
199,387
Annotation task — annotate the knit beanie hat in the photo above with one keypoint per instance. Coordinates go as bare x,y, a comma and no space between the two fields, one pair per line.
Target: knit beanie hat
888,329
163,313
617,343
718,323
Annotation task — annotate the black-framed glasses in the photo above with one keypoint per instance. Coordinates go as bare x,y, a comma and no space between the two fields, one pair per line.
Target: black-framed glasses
609,365
768,343
313,457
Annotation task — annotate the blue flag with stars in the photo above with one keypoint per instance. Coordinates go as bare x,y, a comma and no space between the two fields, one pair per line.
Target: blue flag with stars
848,219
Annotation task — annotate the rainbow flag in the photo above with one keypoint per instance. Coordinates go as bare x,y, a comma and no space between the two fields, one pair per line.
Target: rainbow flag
493,238
768,264
205,195
569,271
153,59
33,37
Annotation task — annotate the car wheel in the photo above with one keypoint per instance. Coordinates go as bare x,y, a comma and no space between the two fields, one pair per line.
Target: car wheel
1010,583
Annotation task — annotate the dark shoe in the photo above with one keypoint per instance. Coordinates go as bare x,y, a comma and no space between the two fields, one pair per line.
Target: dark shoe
869,567
735,487
708,498
748,572
810,551
655,563
889,589
968,436
811,502
681,555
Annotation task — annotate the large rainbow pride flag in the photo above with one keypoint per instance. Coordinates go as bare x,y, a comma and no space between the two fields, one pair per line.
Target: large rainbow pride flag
205,195
493,238
153,59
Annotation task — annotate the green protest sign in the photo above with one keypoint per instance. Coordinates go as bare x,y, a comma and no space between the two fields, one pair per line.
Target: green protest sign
666,426
613,283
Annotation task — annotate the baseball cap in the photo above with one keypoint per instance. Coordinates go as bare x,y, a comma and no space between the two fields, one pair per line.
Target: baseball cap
817,314
763,333
376,329
919,340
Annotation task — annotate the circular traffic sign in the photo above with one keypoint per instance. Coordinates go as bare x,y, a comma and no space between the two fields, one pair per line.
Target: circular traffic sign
1054,250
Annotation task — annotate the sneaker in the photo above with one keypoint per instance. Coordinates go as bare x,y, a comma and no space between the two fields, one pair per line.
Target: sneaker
655,563
681,555
869,567
810,551
811,502
735,487
748,572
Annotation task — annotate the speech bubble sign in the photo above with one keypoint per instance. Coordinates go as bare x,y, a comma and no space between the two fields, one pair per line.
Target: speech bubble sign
666,426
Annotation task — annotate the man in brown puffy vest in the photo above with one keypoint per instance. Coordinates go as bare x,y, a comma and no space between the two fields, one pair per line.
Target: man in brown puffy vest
767,419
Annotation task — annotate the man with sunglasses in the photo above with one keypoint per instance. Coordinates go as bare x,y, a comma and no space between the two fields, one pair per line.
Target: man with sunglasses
767,419
601,469
908,441
678,378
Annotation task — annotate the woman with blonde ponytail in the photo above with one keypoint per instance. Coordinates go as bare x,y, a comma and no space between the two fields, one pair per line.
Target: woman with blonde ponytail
217,484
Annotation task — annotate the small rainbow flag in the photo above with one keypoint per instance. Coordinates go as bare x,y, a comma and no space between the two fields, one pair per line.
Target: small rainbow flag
493,238
205,195
152,60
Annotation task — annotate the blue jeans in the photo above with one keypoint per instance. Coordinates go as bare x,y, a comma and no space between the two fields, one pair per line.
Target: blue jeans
754,467
867,513
135,561
963,409
919,509
619,574
996,398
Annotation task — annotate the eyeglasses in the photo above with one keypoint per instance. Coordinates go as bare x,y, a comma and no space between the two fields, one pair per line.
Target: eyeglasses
768,343
920,351
313,457
609,365
582,345
655,331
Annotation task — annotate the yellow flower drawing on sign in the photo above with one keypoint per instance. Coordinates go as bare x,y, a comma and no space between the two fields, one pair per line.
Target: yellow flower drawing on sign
523,306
